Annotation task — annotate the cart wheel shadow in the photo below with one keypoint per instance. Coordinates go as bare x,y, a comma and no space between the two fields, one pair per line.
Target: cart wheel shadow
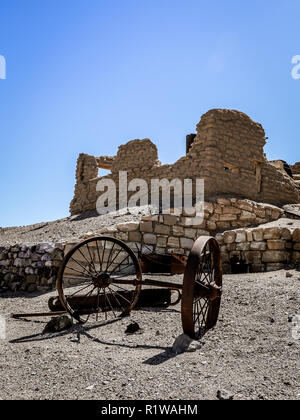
80,330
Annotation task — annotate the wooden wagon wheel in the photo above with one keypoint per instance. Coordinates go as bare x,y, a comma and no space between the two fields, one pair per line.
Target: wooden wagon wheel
202,288
100,278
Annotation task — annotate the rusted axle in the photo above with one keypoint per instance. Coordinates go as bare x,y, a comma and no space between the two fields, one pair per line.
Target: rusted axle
210,292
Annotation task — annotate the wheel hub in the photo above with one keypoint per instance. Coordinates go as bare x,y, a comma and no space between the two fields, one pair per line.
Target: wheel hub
103,280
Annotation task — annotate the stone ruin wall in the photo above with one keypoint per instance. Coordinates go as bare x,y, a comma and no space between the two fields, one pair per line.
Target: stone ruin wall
30,267
296,168
35,267
260,249
227,153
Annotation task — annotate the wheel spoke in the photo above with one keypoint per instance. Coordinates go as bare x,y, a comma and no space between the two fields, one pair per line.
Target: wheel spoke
82,266
89,271
92,260
88,262
119,265
111,250
116,299
98,252
80,272
89,285
121,296
120,250
106,296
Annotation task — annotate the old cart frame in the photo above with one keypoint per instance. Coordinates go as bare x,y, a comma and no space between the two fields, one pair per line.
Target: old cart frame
105,278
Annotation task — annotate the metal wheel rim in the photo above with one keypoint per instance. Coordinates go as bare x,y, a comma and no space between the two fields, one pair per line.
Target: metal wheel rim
127,305
195,325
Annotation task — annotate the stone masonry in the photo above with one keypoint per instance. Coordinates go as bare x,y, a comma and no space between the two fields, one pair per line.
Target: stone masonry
227,152
35,267
30,267
260,249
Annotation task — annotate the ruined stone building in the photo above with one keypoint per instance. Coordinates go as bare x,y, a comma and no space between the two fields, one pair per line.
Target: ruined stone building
227,152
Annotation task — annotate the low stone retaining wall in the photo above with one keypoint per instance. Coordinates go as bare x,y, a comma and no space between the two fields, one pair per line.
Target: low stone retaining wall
165,234
259,249
35,267
30,267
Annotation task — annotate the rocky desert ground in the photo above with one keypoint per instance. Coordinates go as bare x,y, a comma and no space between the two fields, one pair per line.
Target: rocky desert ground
252,354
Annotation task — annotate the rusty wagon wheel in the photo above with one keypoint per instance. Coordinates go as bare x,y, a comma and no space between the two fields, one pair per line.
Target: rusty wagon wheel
100,278
202,288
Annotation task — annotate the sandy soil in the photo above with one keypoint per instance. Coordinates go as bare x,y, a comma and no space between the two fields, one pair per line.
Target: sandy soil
251,353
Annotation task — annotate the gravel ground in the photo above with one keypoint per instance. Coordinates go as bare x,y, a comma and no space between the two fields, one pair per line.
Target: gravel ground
67,230
251,353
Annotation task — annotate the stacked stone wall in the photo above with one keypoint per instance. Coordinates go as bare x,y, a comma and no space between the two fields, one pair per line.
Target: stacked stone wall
260,249
31,267
227,153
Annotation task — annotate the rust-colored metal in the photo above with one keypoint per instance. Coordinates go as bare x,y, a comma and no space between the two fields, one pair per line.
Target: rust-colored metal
199,311
38,314
147,298
121,288
161,264
99,275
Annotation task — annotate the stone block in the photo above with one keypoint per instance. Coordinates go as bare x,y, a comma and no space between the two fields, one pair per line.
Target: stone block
223,201
242,246
252,257
229,237
232,247
173,242
150,218
247,216
231,210
190,233
260,212
162,229
296,235
149,239
274,266
258,235
196,222
201,232
135,236
105,231
241,236
170,220
218,209
162,241
214,218
276,244
146,227
219,237
178,230
228,217
128,227
296,257
211,226
245,205
286,234
186,243
258,246
275,256
249,236
272,233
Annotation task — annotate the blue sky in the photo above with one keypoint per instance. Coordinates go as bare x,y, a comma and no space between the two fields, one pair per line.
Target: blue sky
87,76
